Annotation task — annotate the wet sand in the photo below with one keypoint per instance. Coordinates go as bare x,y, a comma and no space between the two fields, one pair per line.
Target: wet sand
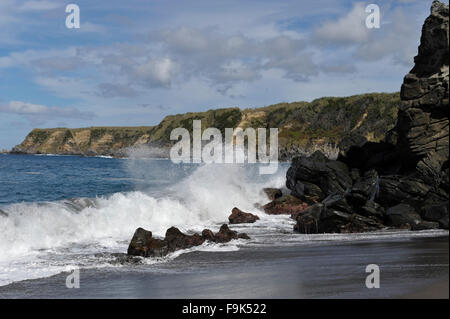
438,290
410,268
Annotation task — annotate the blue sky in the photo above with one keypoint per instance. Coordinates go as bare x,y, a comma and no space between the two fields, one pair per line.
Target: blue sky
133,62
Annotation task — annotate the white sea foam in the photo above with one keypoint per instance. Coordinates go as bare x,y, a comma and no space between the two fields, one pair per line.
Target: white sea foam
34,232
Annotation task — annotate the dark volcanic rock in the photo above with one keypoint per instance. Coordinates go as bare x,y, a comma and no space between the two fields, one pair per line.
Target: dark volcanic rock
286,204
239,217
436,213
208,234
373,210
405,174
313,178
349,142
320,219
225,234
144,245
176,240
364,189
272,193
403,216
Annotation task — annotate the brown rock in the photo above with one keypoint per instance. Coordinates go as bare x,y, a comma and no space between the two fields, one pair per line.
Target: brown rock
286,204
239,217
208,235
144,245
176,240
225,234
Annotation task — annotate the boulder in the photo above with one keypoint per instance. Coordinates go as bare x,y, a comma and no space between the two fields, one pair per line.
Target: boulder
239,217
176,240
338,202
403,216
208,235
313,178
225,234
350,141
287,204
272,193
144,245
365,188
320,219
437,212
373,210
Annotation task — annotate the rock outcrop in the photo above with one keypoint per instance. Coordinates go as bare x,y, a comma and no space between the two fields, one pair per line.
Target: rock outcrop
145,245
239,217
402,181
285,205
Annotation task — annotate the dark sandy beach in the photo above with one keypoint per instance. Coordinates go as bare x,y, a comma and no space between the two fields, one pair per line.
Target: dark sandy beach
410,268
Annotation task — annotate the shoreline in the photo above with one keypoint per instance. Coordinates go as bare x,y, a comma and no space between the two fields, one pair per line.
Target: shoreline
409,269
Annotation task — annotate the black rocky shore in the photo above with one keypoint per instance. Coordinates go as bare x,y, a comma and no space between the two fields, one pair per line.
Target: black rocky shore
401,182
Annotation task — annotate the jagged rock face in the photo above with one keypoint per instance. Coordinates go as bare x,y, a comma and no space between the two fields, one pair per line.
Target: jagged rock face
402,181
422,125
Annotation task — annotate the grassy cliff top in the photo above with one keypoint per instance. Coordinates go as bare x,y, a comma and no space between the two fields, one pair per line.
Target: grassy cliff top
323,121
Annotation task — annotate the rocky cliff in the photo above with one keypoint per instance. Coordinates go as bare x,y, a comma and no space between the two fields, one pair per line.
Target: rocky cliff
84,141
402,181
303,127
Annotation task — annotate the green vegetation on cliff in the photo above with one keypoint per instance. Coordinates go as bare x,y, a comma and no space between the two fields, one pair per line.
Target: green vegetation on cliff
320,123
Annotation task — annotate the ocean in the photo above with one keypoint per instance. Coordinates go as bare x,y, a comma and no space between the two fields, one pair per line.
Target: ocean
58,213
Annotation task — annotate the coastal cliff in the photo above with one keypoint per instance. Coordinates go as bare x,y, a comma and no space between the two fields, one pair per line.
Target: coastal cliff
303,127
400,182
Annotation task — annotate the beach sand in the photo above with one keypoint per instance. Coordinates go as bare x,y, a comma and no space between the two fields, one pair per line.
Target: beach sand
409,268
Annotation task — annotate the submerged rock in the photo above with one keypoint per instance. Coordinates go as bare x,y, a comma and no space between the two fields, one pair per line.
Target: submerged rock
239,217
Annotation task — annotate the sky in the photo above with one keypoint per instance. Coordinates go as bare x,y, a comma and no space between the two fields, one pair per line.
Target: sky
133,62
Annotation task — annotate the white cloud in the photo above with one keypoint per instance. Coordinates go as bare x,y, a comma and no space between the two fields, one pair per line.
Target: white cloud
348,29
91,27
156,72
43,111
393,40
43,5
